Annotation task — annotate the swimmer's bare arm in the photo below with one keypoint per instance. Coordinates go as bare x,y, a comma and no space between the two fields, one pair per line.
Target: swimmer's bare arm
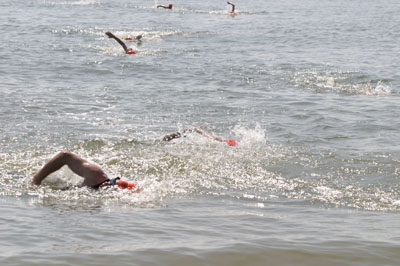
207,134
167,7
91,173
110,35
233,6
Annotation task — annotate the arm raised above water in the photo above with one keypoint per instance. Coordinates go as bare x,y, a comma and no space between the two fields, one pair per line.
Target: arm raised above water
110,35
91,173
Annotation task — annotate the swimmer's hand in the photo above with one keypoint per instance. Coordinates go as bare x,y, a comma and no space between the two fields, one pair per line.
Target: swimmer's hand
110,35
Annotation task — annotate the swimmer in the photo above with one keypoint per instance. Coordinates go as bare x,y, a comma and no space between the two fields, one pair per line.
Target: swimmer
137,38
127,50
200,131
233,7
93,176
167,7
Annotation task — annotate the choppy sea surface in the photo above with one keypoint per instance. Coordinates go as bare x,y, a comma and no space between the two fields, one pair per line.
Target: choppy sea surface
309,89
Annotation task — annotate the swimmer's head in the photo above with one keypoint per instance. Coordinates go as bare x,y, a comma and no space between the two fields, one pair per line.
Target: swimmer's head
231,142
170,6
130,51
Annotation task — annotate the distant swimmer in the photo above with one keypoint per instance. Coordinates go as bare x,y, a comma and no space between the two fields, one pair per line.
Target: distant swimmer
137,38
167,7
127,50
233,7
181,133
94,176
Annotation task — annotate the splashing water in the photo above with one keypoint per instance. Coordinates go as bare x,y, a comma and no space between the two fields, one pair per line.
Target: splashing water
341,82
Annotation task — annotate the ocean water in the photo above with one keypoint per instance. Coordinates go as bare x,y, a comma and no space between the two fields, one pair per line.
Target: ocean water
309,89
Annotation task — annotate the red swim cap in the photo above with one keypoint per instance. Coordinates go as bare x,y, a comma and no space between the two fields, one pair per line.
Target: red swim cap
124,184
128,38
231,142
130,52
170,5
